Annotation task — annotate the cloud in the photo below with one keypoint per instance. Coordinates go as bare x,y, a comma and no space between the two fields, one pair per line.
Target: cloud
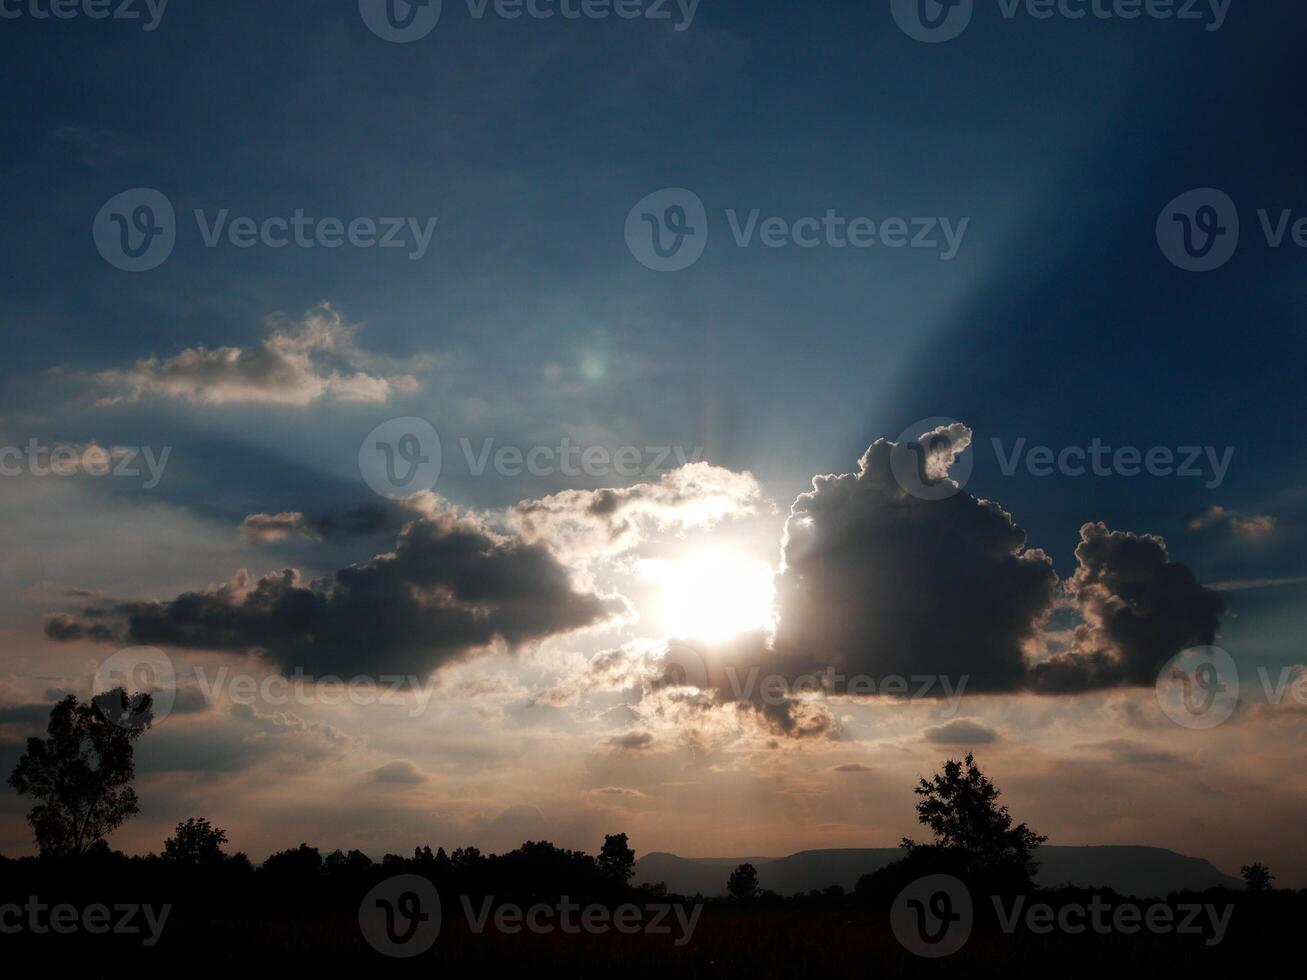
297,364
878,582
853,767
1242,585
1209,516
943,445
609,670
66,628
401,772
623,791
277,722
284,735
1129,752
1253,527
31,715
450,587
266,528
739,672
368,519
1246,526
593,523
960,732
1138,608
631,741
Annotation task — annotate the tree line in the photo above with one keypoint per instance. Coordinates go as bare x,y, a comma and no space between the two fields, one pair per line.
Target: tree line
80,777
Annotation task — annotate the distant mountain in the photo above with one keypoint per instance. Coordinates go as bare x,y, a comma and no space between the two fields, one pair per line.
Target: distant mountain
1141,871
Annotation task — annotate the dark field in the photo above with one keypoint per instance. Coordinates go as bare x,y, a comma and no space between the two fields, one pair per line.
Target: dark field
248,923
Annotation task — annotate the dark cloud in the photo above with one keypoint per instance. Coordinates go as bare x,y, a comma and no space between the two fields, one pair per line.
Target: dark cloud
794,718
853,767
401,772
960,732
449,587
368,519
879,582
1126,751
34,716
90,624
1139,609
190,700
741,671
631,741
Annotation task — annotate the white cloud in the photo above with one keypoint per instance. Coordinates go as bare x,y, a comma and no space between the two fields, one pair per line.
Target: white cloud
595,523
300,362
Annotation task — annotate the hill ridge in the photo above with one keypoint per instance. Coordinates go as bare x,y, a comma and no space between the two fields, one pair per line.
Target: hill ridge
1131,869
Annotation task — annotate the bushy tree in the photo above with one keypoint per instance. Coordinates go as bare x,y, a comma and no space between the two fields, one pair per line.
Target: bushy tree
743,882
465,857
196,842
617,859
960,806
297,862
82,772
353,863
1257,877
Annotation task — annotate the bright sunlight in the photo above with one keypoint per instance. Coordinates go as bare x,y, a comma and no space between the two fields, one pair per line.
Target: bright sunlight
711,595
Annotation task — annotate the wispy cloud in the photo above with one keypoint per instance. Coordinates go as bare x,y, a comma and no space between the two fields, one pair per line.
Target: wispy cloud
298,363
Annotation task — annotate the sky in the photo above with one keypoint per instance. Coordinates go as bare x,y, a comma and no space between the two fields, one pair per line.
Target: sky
498,355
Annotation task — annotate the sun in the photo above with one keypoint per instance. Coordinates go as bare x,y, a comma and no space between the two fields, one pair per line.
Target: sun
711,595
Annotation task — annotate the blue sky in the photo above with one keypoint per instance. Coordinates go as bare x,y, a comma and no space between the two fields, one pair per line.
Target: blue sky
528,320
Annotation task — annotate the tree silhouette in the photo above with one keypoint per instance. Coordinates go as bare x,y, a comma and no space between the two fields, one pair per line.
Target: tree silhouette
961,808
743,882
617,860
302,861
82,772
353,863
1257,876
196,842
